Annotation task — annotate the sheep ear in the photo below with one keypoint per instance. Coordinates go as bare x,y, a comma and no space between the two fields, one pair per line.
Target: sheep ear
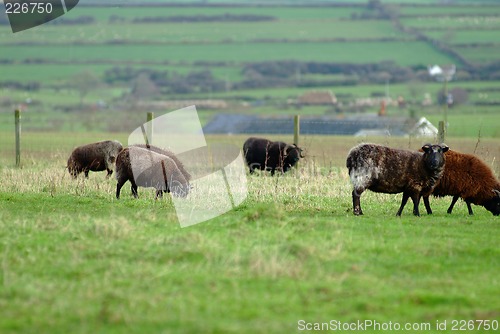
426,147
444,147
496,192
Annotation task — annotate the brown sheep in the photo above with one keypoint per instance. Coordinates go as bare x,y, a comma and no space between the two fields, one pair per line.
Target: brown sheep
146,168
94,157
466,176
391,171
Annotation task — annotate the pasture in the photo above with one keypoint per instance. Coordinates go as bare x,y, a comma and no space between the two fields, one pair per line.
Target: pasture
75,259
260,51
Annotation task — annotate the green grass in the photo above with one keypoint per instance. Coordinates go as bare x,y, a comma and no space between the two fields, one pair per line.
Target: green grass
470,9
481,54
61,73
201,33
465,36
74,259
449,22
282,13
402,53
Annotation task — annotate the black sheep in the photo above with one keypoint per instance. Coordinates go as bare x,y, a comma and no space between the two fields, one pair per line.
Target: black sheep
94,157
264,154
387,170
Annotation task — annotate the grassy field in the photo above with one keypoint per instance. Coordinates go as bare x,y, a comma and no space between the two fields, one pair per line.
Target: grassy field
296,25
297,33
74,259
213,32
405,53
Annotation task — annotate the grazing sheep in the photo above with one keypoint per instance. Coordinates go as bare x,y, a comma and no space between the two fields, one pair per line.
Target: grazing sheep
387,170
466,176
94,157
147,168
169,154
264,154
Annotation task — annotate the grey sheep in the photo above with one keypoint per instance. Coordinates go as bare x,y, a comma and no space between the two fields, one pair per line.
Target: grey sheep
94,157
387,170
146,168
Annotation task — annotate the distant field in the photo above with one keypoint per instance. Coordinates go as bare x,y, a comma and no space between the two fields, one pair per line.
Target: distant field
471,8
480,54
62,72
403,53
450,22
303,33
211,32
464,36
279,12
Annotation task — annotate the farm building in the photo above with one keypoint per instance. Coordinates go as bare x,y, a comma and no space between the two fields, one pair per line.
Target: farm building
366,125
317,98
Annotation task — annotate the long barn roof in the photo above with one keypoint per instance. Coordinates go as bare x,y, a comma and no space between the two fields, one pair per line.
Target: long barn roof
249,124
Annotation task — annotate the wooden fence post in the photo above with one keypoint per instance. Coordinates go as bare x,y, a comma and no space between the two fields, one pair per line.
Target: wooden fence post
296,129
296,132
17,115
149,130
441,132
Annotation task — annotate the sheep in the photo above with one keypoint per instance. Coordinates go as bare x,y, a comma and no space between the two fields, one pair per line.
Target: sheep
387,170
169,154
264,154
147,168
466,176
94,157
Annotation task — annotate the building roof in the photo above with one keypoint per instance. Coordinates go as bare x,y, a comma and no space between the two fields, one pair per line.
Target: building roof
317,98
368,124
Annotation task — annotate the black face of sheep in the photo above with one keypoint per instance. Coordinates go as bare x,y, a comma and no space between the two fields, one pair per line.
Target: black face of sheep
94,157
264,154
386,170
291,156
493,204
433,157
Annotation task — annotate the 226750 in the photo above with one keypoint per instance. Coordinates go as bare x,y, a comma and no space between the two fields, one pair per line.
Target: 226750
28,8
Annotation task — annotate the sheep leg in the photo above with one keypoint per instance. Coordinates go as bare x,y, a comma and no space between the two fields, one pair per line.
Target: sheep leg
133,188
403,203
159,194
416,201
427,205
86,173
119,186
356,203
272,171
469,208
110,171
453,201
